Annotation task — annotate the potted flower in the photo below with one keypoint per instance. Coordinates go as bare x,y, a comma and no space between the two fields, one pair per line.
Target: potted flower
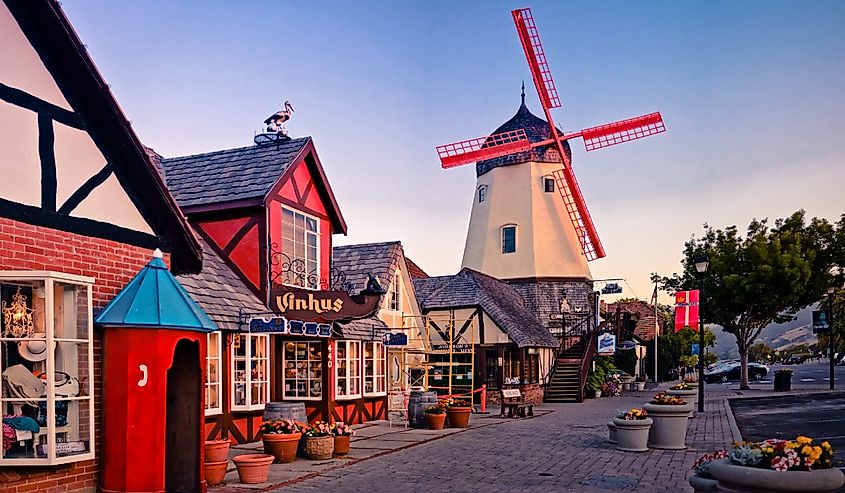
701,481
319,441
640,383
435,417
253,468
632,430
458,411
775,465
670,421
281,438
610,388
783,379
685,391
342,432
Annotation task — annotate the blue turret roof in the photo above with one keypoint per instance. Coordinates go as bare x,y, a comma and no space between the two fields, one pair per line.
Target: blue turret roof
154,298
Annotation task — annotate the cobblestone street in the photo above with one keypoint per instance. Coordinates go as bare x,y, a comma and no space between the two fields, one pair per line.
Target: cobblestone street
565,450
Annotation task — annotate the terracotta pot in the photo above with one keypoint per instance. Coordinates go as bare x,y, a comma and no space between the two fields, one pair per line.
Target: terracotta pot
632,434
751,479
253,468
216,450
215,472
669,430
282,446
611,432
435,421
319,448
341,445
458,416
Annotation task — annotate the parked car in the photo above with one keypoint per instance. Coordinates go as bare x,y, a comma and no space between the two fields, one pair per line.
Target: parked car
796,359
732,371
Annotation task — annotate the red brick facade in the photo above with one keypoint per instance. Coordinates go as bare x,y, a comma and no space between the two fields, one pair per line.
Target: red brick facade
113,265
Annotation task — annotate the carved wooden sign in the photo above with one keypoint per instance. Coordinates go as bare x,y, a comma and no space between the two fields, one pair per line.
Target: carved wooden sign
323,306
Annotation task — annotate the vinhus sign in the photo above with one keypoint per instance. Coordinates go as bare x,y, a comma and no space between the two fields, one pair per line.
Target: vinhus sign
323,306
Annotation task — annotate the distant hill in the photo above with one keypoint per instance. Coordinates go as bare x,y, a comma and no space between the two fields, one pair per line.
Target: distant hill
778,336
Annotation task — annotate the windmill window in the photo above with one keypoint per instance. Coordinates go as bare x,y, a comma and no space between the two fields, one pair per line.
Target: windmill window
482,193
548,185
508,239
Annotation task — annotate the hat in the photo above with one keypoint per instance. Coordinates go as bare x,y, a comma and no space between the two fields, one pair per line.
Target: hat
34,349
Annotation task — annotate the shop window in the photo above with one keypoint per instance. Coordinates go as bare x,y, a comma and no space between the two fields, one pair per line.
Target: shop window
532,367
508,239
47,367
303,363
394,294
348,369
250,376
212,376
548,185
512,365
301,246
374,369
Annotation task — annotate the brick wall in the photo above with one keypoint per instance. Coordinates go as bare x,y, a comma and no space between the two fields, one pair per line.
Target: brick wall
113,265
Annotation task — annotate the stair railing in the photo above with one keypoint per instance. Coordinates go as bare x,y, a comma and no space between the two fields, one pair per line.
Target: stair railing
586,361
585,331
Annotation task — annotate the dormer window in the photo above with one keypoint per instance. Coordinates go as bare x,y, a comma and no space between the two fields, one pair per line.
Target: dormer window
482,193
301,247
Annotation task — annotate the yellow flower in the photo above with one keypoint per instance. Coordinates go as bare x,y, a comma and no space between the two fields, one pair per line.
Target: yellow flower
802,440
826,445
792,445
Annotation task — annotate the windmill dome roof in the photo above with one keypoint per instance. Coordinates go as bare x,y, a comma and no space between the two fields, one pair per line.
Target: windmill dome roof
536,129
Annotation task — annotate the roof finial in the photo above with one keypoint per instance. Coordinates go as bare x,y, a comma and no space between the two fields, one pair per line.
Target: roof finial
523,92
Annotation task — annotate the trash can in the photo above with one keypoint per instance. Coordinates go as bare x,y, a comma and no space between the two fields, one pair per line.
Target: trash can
783,380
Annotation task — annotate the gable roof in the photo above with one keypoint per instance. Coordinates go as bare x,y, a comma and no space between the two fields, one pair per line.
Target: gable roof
498,299
356,261
414,270
644,314
66,58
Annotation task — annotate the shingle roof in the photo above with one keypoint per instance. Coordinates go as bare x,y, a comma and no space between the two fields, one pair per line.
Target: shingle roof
644,314
219,291
414,270
363,329
378,259
498,299
232,174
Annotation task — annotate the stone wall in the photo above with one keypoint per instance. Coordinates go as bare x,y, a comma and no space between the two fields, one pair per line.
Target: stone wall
543,298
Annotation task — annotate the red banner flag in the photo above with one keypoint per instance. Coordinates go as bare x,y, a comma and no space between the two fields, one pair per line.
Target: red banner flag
686,309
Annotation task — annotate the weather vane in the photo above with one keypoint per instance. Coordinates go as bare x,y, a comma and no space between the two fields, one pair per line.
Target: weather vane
276,122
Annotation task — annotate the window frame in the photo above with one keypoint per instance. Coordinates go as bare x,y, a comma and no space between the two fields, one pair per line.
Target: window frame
395,290
248,382
482,194
307,380
549,181
515,229
213,411
292,254
382,355
350,363
49,278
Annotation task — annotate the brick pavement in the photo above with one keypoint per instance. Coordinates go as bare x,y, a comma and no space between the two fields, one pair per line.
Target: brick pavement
566,450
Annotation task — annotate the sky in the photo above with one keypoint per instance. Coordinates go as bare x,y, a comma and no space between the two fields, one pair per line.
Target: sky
751,93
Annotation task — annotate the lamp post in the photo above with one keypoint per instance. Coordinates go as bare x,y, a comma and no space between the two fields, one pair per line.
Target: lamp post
831,292
702,263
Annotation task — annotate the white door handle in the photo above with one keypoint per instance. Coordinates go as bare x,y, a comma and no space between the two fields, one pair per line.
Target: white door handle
143,381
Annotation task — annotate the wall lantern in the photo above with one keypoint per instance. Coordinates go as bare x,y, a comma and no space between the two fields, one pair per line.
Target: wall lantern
17,317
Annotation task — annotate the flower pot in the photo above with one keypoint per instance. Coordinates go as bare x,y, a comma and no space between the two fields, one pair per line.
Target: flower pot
597,393
458,416
640,386
282,446
669,430
690,396
215,472
703,485
611,432
216,450
783,381
319,448
632,434
751,479
435,421
341,445
253,468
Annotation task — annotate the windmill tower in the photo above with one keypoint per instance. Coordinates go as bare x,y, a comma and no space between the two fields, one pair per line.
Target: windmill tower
530,225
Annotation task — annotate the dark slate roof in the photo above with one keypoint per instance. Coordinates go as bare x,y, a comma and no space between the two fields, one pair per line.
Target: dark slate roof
536,129
220,292
498,299
364,329
378,259
232,174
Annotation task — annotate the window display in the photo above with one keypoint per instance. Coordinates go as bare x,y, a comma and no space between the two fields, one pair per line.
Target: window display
212,375
46,363
348,369
303,363
250,376
374,369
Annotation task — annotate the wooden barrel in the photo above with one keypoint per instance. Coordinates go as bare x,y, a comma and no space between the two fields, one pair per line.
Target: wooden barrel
285,410
418,402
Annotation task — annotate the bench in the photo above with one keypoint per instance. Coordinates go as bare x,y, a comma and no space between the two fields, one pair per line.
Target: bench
514,403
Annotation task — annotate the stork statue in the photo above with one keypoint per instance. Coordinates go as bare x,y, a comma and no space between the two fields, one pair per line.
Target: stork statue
276,122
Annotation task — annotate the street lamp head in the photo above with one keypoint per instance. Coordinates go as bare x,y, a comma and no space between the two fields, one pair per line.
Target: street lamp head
702,263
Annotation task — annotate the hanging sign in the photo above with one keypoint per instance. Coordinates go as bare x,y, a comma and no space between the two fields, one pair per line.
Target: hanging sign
611,288
323,306
821,321
626,345
686,309
395,339
606,344
280,325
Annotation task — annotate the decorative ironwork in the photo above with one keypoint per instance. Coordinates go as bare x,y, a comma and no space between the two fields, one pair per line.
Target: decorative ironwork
285,270
17,317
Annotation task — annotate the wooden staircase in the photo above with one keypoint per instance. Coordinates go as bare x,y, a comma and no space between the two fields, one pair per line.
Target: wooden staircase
565,385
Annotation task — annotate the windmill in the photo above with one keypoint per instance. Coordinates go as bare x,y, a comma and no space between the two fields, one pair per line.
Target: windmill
514,141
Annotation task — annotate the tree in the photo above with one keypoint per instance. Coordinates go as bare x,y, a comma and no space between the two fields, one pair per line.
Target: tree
764,276
760,352
838,326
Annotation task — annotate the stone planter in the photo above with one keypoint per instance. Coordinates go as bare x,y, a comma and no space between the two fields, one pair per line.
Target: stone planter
458,416
597,393
741,479
640,386
435,421
253,468
281,446
703,485
216,450
783,381
690,396
633,434
215,472
669,430
611,432
319,448
341,445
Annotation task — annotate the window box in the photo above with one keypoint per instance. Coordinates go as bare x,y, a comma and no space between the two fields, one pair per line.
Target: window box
250,371
348,370
303,369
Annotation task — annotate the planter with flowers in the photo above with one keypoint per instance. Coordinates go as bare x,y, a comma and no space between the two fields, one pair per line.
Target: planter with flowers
670,414
611,388
457,411
783,379
281,438
319,441
640,383
632,430
686,392
801,465
701,481
342,432
435,416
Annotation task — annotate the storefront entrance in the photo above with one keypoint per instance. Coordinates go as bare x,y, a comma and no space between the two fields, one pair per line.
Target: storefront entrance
183,433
